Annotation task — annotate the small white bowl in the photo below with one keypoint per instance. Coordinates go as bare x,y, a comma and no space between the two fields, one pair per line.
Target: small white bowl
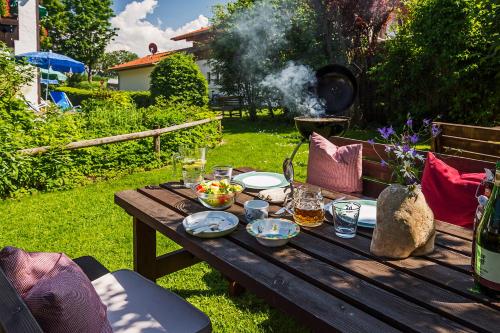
273,232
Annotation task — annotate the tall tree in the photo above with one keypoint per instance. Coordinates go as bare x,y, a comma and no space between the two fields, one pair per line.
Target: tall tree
80,29
113,58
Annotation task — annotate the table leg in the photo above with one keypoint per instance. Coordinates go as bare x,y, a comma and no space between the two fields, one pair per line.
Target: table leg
144,250
235,289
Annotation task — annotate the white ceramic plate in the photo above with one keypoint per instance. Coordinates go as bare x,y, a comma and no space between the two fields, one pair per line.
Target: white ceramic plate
222,223
261,180
367,214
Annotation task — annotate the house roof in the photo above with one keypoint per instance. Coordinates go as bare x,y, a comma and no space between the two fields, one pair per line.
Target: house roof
149,60
191,34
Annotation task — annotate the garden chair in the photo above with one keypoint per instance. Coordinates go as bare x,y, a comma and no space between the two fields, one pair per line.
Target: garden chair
62,101
38,108
134,304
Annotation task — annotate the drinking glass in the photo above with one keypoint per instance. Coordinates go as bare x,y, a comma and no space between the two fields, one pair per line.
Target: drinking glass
308,209
192,161
223,172
346,215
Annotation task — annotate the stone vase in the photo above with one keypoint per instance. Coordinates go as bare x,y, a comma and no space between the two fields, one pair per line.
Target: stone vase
405,224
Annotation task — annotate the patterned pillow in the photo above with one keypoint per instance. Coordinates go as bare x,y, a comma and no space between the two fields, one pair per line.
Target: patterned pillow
335,168
55,289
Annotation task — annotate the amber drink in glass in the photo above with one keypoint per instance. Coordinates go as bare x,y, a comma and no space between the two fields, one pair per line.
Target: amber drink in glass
308,210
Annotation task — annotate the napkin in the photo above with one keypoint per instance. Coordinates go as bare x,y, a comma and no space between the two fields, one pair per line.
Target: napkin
274,195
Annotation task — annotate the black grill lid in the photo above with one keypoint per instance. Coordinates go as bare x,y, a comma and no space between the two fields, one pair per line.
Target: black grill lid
337,86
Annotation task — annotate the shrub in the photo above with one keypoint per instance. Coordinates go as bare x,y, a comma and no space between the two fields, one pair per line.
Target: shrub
78,95
179,78
442,61
103,113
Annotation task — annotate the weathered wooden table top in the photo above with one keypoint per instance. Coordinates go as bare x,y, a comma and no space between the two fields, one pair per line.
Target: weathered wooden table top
329,283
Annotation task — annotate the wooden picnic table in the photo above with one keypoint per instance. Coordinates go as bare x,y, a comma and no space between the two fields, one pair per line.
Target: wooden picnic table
328,283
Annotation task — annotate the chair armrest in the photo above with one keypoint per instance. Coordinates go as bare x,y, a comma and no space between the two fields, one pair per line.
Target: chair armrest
15,317
91,267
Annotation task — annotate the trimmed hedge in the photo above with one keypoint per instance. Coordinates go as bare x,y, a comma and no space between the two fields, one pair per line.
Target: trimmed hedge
78,96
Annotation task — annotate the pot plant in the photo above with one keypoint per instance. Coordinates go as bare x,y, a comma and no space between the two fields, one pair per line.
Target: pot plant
405,223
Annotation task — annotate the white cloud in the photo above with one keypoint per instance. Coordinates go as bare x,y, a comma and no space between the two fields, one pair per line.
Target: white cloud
135,32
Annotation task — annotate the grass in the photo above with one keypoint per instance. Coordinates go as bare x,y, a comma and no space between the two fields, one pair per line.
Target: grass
85,221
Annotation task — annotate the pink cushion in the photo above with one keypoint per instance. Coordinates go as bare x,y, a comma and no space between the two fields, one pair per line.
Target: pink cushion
335,168
56,290
449,193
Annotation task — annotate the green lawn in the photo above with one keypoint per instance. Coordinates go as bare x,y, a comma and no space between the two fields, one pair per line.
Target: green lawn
85,221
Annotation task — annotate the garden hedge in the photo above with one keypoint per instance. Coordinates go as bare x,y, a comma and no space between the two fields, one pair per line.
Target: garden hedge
78,95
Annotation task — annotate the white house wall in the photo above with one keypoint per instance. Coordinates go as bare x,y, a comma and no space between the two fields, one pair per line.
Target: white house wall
213,87
28,42
135,79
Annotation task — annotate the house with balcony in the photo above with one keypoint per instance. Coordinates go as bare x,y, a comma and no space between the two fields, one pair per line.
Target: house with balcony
134,75
19,30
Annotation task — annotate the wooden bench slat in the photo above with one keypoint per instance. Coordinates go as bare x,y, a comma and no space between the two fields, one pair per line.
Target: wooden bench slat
470,131
471,145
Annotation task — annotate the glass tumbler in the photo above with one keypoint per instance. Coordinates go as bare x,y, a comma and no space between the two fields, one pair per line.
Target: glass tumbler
346,215
222,172
308,208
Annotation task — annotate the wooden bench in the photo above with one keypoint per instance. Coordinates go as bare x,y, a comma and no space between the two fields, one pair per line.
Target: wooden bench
377,177
229,104
147,306
480,143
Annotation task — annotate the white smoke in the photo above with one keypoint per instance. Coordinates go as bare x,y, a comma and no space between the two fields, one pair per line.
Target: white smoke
262,30
293,83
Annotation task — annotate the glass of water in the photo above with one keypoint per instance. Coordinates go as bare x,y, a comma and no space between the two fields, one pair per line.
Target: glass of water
223,172
346,215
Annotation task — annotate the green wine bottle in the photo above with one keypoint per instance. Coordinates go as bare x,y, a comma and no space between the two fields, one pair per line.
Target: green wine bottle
487,252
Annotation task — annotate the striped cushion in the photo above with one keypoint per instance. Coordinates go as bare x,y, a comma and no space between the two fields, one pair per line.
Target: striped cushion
55,289
335,168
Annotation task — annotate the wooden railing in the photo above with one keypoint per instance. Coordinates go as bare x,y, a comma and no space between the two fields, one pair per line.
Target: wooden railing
156,133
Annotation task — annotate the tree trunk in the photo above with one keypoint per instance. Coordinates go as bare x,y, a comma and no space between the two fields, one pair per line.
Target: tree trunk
89,74
324,28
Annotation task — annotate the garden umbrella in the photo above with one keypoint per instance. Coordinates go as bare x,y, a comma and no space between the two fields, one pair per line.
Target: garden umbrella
52,75
53,61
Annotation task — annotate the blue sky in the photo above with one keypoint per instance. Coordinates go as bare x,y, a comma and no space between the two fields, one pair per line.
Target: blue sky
141,22
174,13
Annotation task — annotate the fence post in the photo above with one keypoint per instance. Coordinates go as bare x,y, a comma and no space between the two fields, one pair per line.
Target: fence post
157,145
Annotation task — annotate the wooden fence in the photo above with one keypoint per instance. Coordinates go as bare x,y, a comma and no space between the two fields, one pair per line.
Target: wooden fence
156,133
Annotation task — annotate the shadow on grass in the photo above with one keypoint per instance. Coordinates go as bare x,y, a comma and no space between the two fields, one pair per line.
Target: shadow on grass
276,321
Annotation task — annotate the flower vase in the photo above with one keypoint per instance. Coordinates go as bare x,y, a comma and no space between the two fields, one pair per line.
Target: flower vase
405,223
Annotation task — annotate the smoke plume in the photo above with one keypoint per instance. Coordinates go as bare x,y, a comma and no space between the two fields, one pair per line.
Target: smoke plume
262,30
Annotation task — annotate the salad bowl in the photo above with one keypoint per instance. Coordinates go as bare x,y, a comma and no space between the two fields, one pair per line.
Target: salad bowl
273,232
217,194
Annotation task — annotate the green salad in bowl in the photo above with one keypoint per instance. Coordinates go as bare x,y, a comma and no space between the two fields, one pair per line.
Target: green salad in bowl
217,194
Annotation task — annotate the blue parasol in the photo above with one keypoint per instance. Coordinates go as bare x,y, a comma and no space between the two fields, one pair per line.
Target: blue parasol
54,61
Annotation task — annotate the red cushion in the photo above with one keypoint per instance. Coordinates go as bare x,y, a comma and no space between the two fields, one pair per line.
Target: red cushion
335,168
449,193
56,290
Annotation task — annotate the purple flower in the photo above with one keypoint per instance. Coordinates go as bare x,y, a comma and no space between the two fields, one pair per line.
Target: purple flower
406,148
426,122
435,130
371,141
384,163
386,132
414,138
409,122
390,131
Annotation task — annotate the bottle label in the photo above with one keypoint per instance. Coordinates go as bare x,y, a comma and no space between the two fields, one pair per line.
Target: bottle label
488,267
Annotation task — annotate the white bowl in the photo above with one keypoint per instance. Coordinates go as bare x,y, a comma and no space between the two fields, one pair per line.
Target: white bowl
273,232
